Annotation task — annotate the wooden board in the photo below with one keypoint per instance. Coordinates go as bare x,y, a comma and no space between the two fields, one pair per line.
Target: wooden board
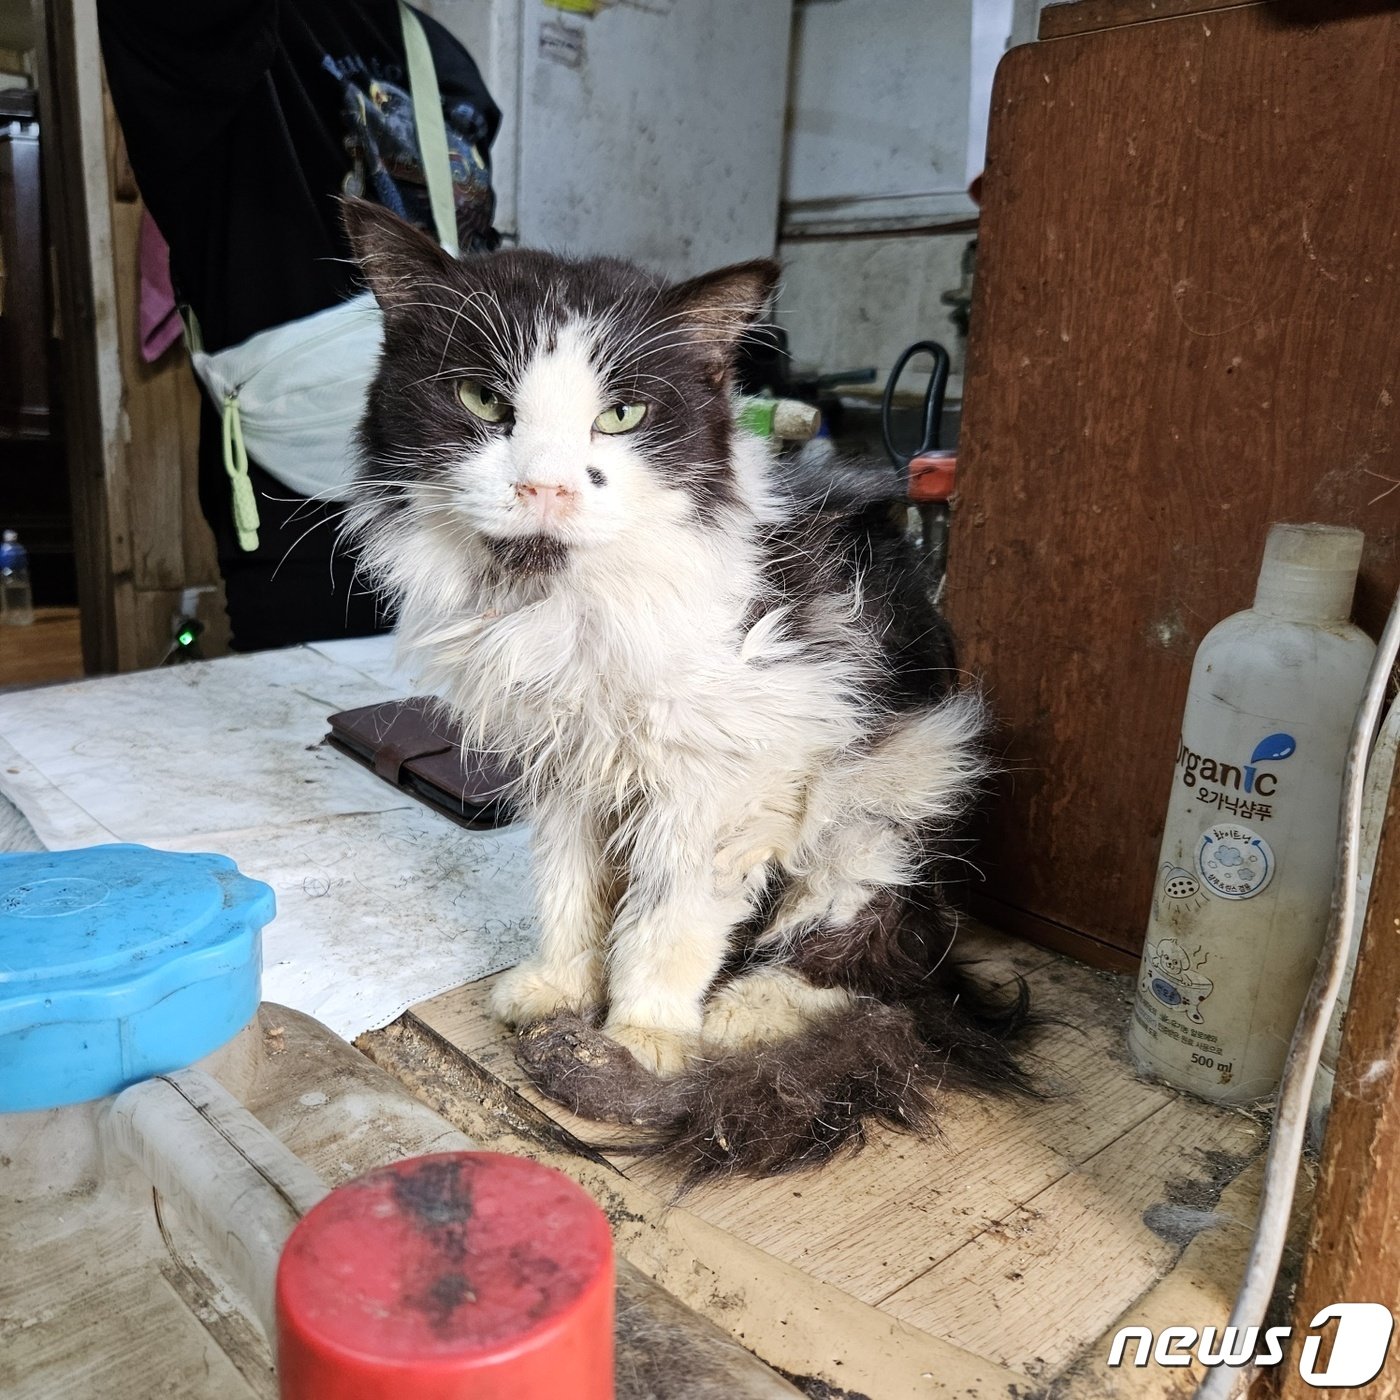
1020,1293
1043,1213
109,1293
812,1331
1201,1285
1353,1250
1059,20
49,650
1183,330
1062,18
68,70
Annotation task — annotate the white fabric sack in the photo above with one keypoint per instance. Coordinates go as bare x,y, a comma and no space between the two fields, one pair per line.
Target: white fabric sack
300,389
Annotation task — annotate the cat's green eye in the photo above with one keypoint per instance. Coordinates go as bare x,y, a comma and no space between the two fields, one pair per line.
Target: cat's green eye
620,418
482,402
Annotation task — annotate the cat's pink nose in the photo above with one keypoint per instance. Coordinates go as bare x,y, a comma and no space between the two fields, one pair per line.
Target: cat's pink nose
542,495
547,502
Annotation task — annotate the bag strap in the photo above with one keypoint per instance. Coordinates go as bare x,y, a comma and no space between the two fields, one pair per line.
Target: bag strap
432,131
246,520
245,503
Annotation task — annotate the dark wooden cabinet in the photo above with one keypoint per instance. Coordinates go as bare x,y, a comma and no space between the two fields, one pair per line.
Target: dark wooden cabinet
26,315
34,494
1186,326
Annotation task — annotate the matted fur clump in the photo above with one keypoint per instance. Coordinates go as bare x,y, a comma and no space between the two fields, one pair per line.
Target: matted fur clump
736,716
794,1103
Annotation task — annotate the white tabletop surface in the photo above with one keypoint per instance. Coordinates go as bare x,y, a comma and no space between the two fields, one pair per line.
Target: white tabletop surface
381,902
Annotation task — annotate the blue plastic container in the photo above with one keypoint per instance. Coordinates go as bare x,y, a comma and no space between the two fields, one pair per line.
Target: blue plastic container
120,962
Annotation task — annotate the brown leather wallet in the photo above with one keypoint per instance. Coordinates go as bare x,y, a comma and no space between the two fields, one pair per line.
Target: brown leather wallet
415,745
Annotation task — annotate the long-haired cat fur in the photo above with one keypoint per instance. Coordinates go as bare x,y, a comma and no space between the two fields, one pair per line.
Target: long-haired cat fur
739,729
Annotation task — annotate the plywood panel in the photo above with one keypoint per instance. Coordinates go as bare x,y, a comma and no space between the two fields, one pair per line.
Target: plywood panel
874,1225
1029,1289
1057,20
811,1330
1201,1285
871,1223
1183,330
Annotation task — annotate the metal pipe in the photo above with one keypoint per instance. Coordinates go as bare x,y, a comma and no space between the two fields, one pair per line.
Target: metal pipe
240,1188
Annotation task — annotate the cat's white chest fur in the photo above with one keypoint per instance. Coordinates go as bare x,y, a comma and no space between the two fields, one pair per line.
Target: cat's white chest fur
625,698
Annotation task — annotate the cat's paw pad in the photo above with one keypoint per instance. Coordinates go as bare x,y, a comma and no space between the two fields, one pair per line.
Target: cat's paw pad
530,993
661,1052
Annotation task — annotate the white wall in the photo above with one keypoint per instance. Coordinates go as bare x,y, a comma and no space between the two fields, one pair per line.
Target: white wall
655,129
888,128
993,27
878,127
654,132
851,302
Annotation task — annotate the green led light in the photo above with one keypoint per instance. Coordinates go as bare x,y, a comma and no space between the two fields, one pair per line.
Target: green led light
184,637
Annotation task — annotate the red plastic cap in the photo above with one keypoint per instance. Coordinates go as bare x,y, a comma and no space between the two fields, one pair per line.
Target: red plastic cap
932,476
467,1274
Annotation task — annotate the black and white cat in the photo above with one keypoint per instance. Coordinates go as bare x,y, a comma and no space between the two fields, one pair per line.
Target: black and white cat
736,716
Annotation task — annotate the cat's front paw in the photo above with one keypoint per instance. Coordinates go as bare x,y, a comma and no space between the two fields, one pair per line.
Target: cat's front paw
532,991
766,1006
662,1052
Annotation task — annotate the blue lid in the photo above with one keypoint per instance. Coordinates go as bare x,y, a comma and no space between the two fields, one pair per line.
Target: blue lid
12,555
120,962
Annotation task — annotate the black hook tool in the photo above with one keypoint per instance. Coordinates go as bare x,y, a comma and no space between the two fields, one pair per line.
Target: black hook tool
933,401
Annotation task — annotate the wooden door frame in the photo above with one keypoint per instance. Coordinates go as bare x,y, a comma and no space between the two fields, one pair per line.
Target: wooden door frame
68,70
132,425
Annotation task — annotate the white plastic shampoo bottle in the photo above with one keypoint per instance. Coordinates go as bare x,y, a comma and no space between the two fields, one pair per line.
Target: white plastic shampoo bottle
1244,879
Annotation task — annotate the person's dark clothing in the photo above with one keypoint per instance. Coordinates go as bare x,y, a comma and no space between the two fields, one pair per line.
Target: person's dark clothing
245,120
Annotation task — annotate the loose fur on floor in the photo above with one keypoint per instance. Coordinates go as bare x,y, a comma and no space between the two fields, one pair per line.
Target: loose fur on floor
740,731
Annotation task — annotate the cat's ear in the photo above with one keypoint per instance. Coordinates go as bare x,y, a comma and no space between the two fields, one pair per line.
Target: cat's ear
401,264
720,306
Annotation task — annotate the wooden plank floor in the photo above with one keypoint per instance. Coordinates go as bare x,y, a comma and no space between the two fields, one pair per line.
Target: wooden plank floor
1025,1231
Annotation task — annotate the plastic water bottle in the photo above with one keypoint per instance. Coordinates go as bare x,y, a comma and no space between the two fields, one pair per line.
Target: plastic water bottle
1244,878
16,597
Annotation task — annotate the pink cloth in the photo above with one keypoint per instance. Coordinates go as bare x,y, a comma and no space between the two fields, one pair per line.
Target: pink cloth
160,320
